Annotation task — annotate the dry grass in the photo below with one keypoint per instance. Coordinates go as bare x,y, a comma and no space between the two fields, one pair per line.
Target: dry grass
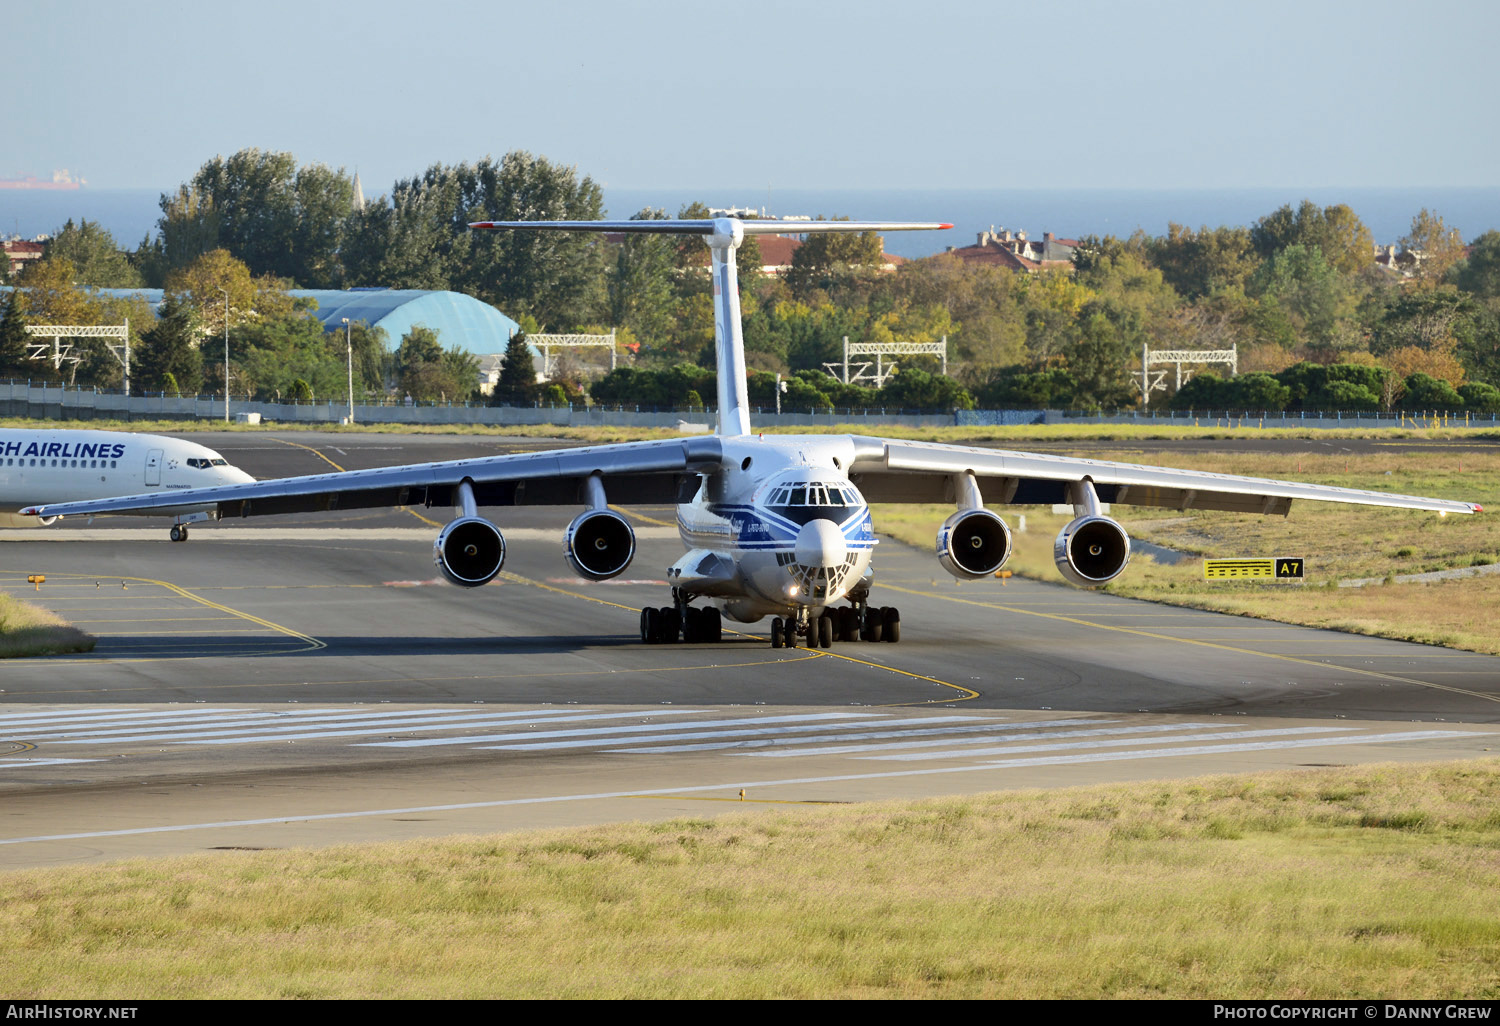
1352,883
27,630
1338,542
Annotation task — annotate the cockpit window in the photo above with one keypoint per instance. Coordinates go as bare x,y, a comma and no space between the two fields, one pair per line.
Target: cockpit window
203,462
811,493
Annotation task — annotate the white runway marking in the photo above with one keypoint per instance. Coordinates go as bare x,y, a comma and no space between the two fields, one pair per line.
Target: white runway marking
328,724
606,735
988,736
840,749
27,763
1113,743
475,720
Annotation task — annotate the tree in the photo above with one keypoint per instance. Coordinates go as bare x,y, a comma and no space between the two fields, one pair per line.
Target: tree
1304,284
1437,247
1479,275
13,337
1103,344
277,218
1204,262
1424,392
1425,318
461,372
169,349
1336,232
96,259
271,353
199,283
918,390
822,255
1480,397
51,297
640,283
422,238
517,384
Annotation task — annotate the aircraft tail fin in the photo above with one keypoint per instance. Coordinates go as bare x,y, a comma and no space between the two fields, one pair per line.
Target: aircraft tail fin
723,235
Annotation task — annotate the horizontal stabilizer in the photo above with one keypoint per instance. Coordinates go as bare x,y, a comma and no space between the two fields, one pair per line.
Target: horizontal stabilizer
709,226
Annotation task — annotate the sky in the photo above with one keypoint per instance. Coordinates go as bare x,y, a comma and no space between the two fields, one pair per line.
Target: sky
936,94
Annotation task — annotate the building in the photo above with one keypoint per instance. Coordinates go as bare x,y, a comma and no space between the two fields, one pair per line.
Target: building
458,319
1001,247
20,252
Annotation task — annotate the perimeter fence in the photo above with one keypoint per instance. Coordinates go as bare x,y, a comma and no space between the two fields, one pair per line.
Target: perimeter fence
50,401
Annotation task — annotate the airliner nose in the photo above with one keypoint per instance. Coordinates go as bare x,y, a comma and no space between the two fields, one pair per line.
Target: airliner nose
821,543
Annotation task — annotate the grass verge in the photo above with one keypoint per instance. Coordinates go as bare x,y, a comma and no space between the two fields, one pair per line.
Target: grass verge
1338,542
1376,881
26,630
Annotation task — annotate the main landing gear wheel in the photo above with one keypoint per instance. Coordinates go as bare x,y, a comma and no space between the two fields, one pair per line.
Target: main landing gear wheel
879,623
892,624
179,533
705,625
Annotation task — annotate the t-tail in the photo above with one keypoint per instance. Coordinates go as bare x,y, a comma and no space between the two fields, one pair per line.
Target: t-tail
723,235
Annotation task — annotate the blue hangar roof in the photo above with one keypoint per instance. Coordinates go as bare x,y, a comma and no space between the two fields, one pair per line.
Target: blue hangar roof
458,319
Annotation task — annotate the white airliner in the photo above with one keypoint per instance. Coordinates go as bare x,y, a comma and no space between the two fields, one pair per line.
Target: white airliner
41,466
774,526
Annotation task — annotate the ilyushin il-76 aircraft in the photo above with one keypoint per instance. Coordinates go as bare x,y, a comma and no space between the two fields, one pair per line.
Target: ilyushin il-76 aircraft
53,466
774,526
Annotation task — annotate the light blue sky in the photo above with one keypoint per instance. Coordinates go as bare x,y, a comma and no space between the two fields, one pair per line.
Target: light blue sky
809,94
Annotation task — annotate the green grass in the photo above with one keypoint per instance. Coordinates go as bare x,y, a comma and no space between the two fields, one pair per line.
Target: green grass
1348,883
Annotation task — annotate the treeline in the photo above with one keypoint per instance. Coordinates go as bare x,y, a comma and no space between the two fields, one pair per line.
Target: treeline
1301,286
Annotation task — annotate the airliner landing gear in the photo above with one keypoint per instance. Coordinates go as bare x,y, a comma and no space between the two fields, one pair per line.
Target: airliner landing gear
179,532
858,622
668,624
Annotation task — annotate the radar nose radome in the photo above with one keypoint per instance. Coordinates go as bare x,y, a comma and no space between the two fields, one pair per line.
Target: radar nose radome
821,543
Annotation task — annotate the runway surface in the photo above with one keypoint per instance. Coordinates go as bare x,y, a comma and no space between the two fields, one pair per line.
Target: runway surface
308,680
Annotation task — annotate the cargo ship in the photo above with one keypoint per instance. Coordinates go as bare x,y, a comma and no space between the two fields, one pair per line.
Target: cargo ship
60,180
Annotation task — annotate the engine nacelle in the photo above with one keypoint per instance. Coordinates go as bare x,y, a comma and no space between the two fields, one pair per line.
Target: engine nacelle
469,551
599,544
973,543
1091,550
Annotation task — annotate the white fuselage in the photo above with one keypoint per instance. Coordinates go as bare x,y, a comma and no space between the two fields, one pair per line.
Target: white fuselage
39,467
778,527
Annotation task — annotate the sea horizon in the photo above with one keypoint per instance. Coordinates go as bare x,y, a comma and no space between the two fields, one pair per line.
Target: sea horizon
130,215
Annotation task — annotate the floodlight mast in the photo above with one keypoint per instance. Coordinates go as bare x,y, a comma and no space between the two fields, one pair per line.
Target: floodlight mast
723,235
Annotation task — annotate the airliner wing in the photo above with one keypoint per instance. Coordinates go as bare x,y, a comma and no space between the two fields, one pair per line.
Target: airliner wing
632,472
893,470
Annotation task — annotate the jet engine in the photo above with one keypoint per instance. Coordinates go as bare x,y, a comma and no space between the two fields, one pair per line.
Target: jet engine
469,551
599,544
973,543
1091,550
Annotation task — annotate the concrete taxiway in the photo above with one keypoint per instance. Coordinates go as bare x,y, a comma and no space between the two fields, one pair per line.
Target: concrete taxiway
308,680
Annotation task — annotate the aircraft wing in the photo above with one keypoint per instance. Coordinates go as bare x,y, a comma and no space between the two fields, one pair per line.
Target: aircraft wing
892,470
656,472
